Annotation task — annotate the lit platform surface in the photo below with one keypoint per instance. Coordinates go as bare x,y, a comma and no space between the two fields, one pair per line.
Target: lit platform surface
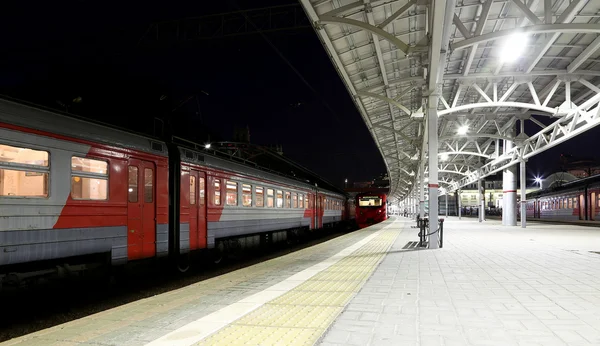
489,285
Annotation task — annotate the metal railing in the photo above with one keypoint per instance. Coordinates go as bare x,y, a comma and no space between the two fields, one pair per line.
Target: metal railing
423,226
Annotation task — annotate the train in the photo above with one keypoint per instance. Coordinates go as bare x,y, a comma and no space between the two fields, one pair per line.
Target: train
571,201
75,192
371,208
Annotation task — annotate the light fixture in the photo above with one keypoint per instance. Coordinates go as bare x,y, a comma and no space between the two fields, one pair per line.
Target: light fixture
207,145
463,130
444,157
513,47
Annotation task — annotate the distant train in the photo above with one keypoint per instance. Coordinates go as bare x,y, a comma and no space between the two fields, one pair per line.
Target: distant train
73,191
371,208
572,201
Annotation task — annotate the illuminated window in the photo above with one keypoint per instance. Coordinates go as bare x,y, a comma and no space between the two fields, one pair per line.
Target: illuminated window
301,201
570,203
279,199
23,172
270,198
148,185
294,200
574,202
89,179
260,196
192,189
370,201
202,189
246,195
217,196
231,193
133,184
288,200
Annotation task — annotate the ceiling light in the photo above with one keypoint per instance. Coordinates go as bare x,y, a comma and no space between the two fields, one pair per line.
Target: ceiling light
463,130
444,157
514,46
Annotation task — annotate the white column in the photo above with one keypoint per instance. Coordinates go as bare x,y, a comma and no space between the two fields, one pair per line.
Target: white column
509,190
480,200
459,205
421,190
432,134
523,195
446,204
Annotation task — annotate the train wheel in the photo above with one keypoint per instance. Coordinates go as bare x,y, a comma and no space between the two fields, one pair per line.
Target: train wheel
183,263
218,253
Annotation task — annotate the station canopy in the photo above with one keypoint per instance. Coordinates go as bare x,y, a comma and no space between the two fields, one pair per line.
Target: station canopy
496,67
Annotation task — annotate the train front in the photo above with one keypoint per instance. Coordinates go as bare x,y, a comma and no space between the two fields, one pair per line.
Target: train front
371,208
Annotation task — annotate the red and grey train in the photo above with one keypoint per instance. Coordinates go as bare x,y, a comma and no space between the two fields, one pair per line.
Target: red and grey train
371,208
572,201
71,189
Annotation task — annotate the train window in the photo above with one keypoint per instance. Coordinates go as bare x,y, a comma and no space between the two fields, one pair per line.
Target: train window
133,184
89,179
574,202
370,201
301,200
270,198
148,185
294,200
232,193
288,200
217,196
570,203
202,190
260,196
192,189
246,195
29,174
279,199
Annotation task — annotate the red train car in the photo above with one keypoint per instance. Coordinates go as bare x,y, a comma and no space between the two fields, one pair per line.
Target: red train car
371,208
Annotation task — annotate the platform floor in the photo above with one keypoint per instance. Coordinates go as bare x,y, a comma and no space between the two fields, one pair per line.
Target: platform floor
489,285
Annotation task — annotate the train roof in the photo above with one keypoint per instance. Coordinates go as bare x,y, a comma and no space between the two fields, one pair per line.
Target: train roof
36,117
263,163
571,185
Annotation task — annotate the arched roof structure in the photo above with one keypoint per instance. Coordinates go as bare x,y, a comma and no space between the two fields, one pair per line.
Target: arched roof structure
393,55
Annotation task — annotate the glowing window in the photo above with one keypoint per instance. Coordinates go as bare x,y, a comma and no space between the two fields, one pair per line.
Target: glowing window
192,189
202,189
23,172
246,195
89,179
133,185
370,201
232,193
217,196
148,185
294,200
288,200
270,198
301,201
260,196
279,199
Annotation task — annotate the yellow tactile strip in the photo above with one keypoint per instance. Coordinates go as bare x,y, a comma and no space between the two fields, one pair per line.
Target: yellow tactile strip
302,315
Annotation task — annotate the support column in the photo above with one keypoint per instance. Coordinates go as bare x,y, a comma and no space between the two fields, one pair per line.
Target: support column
446,204
459,205
421,191
509,189
480,213
523,179
432,132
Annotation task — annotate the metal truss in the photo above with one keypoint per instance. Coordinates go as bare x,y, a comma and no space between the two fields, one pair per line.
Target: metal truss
402,60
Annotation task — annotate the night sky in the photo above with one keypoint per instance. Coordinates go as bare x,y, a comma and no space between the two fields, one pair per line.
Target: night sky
95,51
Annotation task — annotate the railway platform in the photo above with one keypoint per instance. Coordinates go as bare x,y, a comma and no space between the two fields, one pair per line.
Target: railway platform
489,285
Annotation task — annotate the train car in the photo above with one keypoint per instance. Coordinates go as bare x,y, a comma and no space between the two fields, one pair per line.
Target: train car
75,192
371,208
572,201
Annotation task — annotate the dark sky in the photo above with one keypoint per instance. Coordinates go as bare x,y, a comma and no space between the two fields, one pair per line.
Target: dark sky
95,50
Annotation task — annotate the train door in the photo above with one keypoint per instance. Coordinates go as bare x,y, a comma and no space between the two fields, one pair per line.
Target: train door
581,207
141,210
536,209
197,210
320,210
592,206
